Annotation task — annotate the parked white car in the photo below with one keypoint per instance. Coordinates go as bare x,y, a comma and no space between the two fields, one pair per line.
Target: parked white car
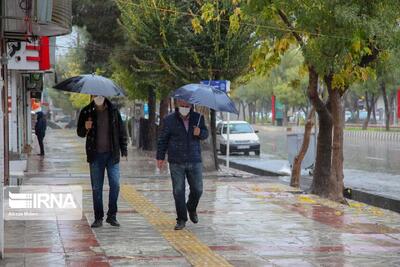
242,138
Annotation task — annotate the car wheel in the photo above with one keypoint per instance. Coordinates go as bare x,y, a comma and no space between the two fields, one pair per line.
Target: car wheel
257,152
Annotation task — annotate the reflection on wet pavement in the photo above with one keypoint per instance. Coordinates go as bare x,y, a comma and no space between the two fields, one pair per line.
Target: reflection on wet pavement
244,221
359,153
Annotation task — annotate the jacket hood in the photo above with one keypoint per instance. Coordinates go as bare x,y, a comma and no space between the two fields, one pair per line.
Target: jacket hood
39,114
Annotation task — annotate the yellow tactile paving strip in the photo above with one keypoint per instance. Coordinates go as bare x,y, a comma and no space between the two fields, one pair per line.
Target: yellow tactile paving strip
196,252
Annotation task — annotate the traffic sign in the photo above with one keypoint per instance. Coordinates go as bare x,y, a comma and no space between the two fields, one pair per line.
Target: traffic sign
223,85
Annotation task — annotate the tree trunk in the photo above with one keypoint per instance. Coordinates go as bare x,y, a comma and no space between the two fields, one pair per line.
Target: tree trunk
252,113
152,134
214,138
239,110
391,100
296,169
285,120
385,100
250,106
373,109
357,111
164,105
244,110
321,184
366,121
337,176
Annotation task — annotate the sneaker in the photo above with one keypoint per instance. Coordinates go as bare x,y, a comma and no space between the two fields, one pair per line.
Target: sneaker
113,221
180,225
97,223
193,216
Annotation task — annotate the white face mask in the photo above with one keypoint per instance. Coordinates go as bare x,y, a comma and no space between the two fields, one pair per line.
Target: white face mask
184,111
99,100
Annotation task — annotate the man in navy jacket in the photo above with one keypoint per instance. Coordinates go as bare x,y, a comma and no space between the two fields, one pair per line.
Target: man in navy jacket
180,137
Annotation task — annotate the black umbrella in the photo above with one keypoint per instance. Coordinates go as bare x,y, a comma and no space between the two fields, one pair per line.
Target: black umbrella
90,84
207,96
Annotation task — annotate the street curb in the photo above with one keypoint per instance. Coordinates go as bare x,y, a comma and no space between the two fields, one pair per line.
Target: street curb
375,200
355,194
250,169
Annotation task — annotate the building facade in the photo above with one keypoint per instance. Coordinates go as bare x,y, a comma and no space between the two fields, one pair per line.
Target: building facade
26,31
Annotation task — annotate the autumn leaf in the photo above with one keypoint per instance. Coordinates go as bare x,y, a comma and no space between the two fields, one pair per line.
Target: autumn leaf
197,26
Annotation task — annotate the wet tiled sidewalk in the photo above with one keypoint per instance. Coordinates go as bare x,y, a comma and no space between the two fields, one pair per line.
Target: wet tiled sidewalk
244,221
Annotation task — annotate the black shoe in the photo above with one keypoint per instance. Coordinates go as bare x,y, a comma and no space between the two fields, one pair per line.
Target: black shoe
180,225
97,223
193,216
113,221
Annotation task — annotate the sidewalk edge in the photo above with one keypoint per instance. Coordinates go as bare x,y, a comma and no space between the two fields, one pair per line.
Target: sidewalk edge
356,194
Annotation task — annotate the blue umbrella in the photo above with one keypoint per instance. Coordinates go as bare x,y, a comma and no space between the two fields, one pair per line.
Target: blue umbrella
90,84
205,95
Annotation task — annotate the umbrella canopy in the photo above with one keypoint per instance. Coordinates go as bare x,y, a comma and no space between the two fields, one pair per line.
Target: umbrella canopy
90,84
205,95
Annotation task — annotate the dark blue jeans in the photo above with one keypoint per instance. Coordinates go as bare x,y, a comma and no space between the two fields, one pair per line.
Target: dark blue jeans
40,141
193,173
102,162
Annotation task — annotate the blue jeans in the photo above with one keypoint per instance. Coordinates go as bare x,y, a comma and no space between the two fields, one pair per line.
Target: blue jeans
97,167
193,173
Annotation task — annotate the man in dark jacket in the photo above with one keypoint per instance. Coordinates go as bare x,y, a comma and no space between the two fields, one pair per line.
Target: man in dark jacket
101,123
180,136
40,130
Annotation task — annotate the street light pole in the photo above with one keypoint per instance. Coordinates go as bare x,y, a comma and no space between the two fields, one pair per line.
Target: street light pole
228,143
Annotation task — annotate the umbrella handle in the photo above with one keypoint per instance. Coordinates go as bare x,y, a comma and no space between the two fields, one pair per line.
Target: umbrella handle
198,122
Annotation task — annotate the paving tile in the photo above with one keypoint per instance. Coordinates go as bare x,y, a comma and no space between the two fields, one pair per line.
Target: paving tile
244,219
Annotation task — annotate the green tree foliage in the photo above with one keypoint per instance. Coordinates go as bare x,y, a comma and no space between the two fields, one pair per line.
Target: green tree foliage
175,42
146,29
69,65
100,19
172,43
289,80
339,41
285,79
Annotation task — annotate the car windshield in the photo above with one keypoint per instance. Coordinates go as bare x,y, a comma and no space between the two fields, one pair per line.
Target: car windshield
238,128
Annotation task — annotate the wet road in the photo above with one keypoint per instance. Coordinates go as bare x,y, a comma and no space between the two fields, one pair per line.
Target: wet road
359,154
370,166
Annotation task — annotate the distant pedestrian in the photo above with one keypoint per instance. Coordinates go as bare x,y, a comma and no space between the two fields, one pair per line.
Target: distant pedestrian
106,139
40,130
180,137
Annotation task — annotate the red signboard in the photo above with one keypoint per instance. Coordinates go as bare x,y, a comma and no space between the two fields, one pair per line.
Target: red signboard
30,56
44,52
